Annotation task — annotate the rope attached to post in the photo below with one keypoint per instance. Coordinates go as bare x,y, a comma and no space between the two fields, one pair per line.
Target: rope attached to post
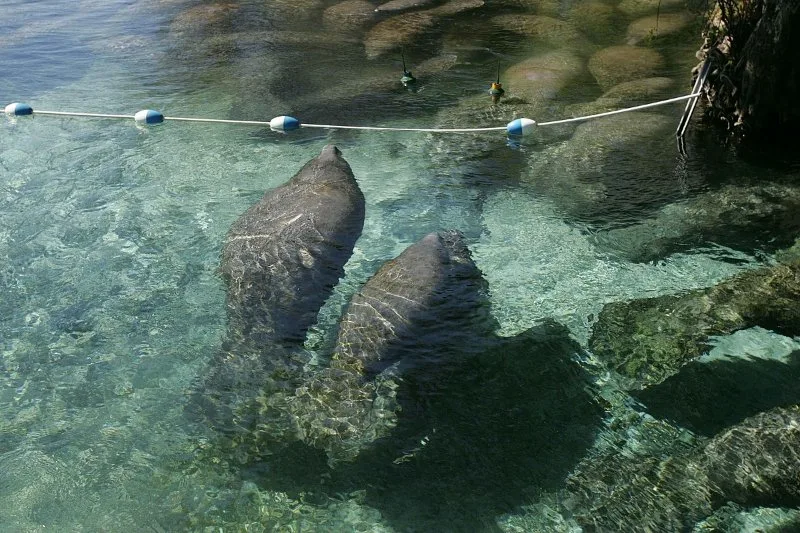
284,123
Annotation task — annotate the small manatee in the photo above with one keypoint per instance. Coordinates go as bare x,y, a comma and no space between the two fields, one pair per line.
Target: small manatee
431,297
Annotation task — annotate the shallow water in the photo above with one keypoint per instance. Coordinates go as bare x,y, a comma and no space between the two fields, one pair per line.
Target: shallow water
110,236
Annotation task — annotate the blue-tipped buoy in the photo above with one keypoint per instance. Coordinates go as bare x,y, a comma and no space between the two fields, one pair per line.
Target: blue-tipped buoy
521,126
148,116
18,109
284,123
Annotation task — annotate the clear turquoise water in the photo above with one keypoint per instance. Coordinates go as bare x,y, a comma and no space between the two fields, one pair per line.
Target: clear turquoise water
110,238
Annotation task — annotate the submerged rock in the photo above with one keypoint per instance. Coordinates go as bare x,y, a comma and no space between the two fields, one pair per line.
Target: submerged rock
761,216
454,7
732,517
404,29
403,5
640,478
541,29
617,64
757,462
539,79
649,340
349,15
657,26
677,483
597,20
639,8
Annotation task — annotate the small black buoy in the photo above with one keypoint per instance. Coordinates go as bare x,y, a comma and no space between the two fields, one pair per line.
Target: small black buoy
407,79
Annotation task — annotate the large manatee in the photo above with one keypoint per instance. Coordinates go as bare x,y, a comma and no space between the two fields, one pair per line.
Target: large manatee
283,256
281,259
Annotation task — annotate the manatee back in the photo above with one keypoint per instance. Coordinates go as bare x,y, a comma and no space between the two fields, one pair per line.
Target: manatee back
284,255
430,300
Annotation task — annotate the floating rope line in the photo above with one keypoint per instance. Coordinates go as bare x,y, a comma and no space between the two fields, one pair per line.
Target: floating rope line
381,128
618,111
520,126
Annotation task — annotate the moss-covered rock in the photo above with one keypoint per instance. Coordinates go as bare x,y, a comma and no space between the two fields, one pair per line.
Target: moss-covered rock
640,476
395,6
617,64
649,340
657,479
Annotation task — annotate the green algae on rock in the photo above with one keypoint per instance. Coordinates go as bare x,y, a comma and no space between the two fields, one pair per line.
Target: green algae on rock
758,460
674,483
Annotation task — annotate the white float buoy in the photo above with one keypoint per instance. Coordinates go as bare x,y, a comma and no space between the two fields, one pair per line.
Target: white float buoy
17,109
148,116
284,123
521,126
